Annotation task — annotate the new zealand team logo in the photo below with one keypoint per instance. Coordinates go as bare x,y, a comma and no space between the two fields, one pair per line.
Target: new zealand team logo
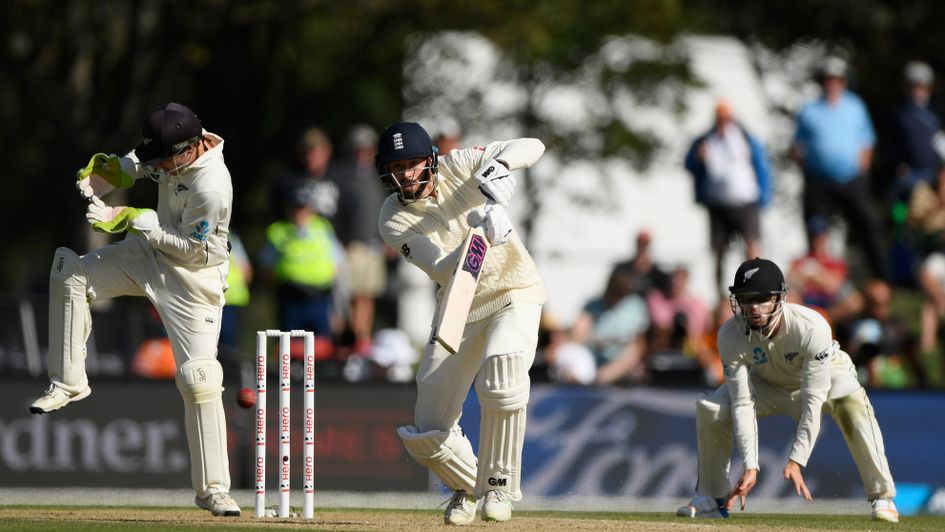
475,256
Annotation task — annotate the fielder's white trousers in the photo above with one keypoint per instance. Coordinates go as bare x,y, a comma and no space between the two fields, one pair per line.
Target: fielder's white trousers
853,413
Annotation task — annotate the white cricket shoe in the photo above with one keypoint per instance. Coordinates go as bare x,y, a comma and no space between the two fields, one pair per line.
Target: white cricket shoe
219,504
704,507
885,510
496,506
55,398
460,510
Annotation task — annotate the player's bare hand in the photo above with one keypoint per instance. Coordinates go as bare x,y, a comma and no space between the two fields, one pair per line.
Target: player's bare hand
792,472
744,486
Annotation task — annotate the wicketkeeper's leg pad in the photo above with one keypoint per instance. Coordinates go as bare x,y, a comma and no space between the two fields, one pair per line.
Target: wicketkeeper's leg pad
447,453
503,388
200,382
69,321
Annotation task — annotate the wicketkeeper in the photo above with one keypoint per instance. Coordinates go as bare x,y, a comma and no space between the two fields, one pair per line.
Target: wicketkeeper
434,202
781,358
177,257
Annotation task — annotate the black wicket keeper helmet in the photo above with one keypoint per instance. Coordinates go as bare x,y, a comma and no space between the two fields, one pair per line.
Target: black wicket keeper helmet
166,132
401,141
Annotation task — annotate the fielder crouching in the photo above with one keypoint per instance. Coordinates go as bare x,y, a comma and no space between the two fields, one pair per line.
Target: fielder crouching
434,201
780,358
177,257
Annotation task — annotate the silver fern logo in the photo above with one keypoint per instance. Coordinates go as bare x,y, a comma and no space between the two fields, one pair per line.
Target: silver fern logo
749,274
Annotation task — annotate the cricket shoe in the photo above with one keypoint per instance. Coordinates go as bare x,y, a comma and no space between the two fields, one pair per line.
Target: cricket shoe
55,398
885,510
219,504
705,507
460,510
496,506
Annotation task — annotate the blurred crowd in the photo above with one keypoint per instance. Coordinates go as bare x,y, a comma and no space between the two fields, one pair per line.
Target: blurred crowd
882,287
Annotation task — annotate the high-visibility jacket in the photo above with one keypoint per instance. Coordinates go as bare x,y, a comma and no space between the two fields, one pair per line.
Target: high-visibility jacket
305,256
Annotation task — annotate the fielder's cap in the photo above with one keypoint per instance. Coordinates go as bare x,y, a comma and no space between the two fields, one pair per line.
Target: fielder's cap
166,130
758,276
403,140
833,67
918,73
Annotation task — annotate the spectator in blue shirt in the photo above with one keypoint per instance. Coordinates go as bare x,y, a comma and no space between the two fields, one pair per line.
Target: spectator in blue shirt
834,146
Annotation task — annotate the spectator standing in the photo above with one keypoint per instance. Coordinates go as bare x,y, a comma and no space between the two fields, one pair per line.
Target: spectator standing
362,196
312,174
301,259
833,144
916,127
733,181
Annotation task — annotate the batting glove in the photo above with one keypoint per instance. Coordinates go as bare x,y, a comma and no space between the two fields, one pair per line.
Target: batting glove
106,219
496,182
103,174
494,221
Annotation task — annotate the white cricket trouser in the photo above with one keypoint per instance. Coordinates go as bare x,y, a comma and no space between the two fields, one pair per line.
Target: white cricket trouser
443,380
190,303
853,413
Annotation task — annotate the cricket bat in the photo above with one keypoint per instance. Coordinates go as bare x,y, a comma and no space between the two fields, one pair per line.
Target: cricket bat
451,314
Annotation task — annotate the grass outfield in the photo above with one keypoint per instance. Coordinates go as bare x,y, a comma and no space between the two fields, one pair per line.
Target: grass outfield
80,518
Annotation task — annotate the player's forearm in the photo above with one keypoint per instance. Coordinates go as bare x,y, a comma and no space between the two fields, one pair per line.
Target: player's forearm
170,242
813,395
745,426
520,153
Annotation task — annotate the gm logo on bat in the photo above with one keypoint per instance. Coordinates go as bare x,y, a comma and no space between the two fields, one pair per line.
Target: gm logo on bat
475,256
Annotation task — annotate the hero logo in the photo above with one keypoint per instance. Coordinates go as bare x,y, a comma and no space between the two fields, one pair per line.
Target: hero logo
398,141
285,471
498,481
285,368
260,470
475,256
261,426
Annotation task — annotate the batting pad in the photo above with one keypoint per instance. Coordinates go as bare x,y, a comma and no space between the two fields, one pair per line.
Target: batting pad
502,387
447,453
69,321
200,382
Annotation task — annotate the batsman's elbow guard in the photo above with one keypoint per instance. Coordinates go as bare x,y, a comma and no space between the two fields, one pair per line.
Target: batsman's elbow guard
200,380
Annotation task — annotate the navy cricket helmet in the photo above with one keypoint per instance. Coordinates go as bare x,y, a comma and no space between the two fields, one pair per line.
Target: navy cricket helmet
401,141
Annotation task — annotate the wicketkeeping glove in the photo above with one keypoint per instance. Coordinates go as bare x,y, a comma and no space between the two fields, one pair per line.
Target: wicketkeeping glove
106,219
496,182
494,220
103,174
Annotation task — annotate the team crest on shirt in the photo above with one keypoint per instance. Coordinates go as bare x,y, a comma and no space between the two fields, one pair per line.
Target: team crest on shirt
758,356
789,357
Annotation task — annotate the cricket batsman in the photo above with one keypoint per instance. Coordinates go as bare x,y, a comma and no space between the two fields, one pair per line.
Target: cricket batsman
177,257
780,358
433,203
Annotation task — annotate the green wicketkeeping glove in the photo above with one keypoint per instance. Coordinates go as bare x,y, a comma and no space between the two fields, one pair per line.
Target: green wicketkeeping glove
107,219
102,175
